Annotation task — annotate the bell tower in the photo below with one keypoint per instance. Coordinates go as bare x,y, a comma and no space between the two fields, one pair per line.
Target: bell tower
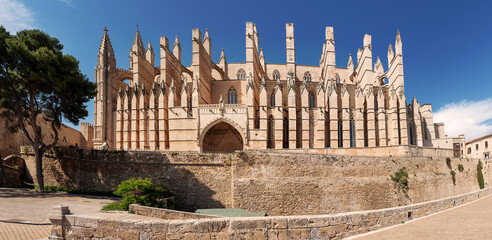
105,72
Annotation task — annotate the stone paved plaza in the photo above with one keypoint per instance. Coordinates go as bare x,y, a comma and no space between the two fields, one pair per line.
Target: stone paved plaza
470,221
24,213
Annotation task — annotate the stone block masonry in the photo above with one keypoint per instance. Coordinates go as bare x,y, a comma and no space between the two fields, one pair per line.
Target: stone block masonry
165,213
332,226
264,181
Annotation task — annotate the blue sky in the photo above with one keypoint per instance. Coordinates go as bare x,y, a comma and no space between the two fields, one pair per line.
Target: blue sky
446,44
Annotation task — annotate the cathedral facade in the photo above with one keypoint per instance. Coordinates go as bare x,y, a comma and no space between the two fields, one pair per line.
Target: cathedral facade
223,107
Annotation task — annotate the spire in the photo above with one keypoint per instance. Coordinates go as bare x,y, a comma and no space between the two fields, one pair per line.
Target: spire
398,44
149,47
222,55
106,49
350,63
222,58
378,66
222,61
176,42
378,62
398,37
391,54
415,103
262,59
207,43
177,49
149,54
137,43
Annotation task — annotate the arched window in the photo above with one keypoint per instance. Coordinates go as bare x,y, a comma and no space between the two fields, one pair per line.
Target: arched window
232,96
312,103
307,77
241,74
276,75
126,81
272,99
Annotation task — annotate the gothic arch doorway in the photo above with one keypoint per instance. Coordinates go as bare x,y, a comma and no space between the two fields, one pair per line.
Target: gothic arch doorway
222,138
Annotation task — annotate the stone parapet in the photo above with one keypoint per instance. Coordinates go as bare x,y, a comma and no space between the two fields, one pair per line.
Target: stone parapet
332,226
165,213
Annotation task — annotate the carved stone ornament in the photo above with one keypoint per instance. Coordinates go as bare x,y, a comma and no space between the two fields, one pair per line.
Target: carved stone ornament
184,89
358,90
369,90
401,92
196,84
172,87
163,87
290,83
303,86
263,85
344,88
250,84
320,86
332,88
380,92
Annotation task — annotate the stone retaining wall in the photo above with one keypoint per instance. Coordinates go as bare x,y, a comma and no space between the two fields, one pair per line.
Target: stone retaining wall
277,183
165,213
333,226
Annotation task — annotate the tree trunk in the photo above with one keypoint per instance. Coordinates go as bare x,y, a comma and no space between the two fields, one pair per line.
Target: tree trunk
39,169
2,172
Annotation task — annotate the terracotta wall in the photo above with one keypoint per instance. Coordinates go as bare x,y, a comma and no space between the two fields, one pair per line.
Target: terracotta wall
10,143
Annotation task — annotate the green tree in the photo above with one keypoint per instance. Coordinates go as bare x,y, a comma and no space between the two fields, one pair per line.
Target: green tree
39,82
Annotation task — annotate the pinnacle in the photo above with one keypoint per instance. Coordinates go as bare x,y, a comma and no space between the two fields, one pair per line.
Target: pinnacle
106,43
137,42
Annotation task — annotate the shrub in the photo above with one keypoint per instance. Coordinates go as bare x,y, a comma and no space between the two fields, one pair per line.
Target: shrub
51,188
113,206
26,150
481,182
448,162
173,154
453,177
460,167
141,191
401,179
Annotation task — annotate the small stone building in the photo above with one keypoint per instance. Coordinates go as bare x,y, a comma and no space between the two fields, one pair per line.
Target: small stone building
223,107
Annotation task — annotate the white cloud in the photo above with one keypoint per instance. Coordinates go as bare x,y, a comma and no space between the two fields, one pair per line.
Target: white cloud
68,2
15,16
472,118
